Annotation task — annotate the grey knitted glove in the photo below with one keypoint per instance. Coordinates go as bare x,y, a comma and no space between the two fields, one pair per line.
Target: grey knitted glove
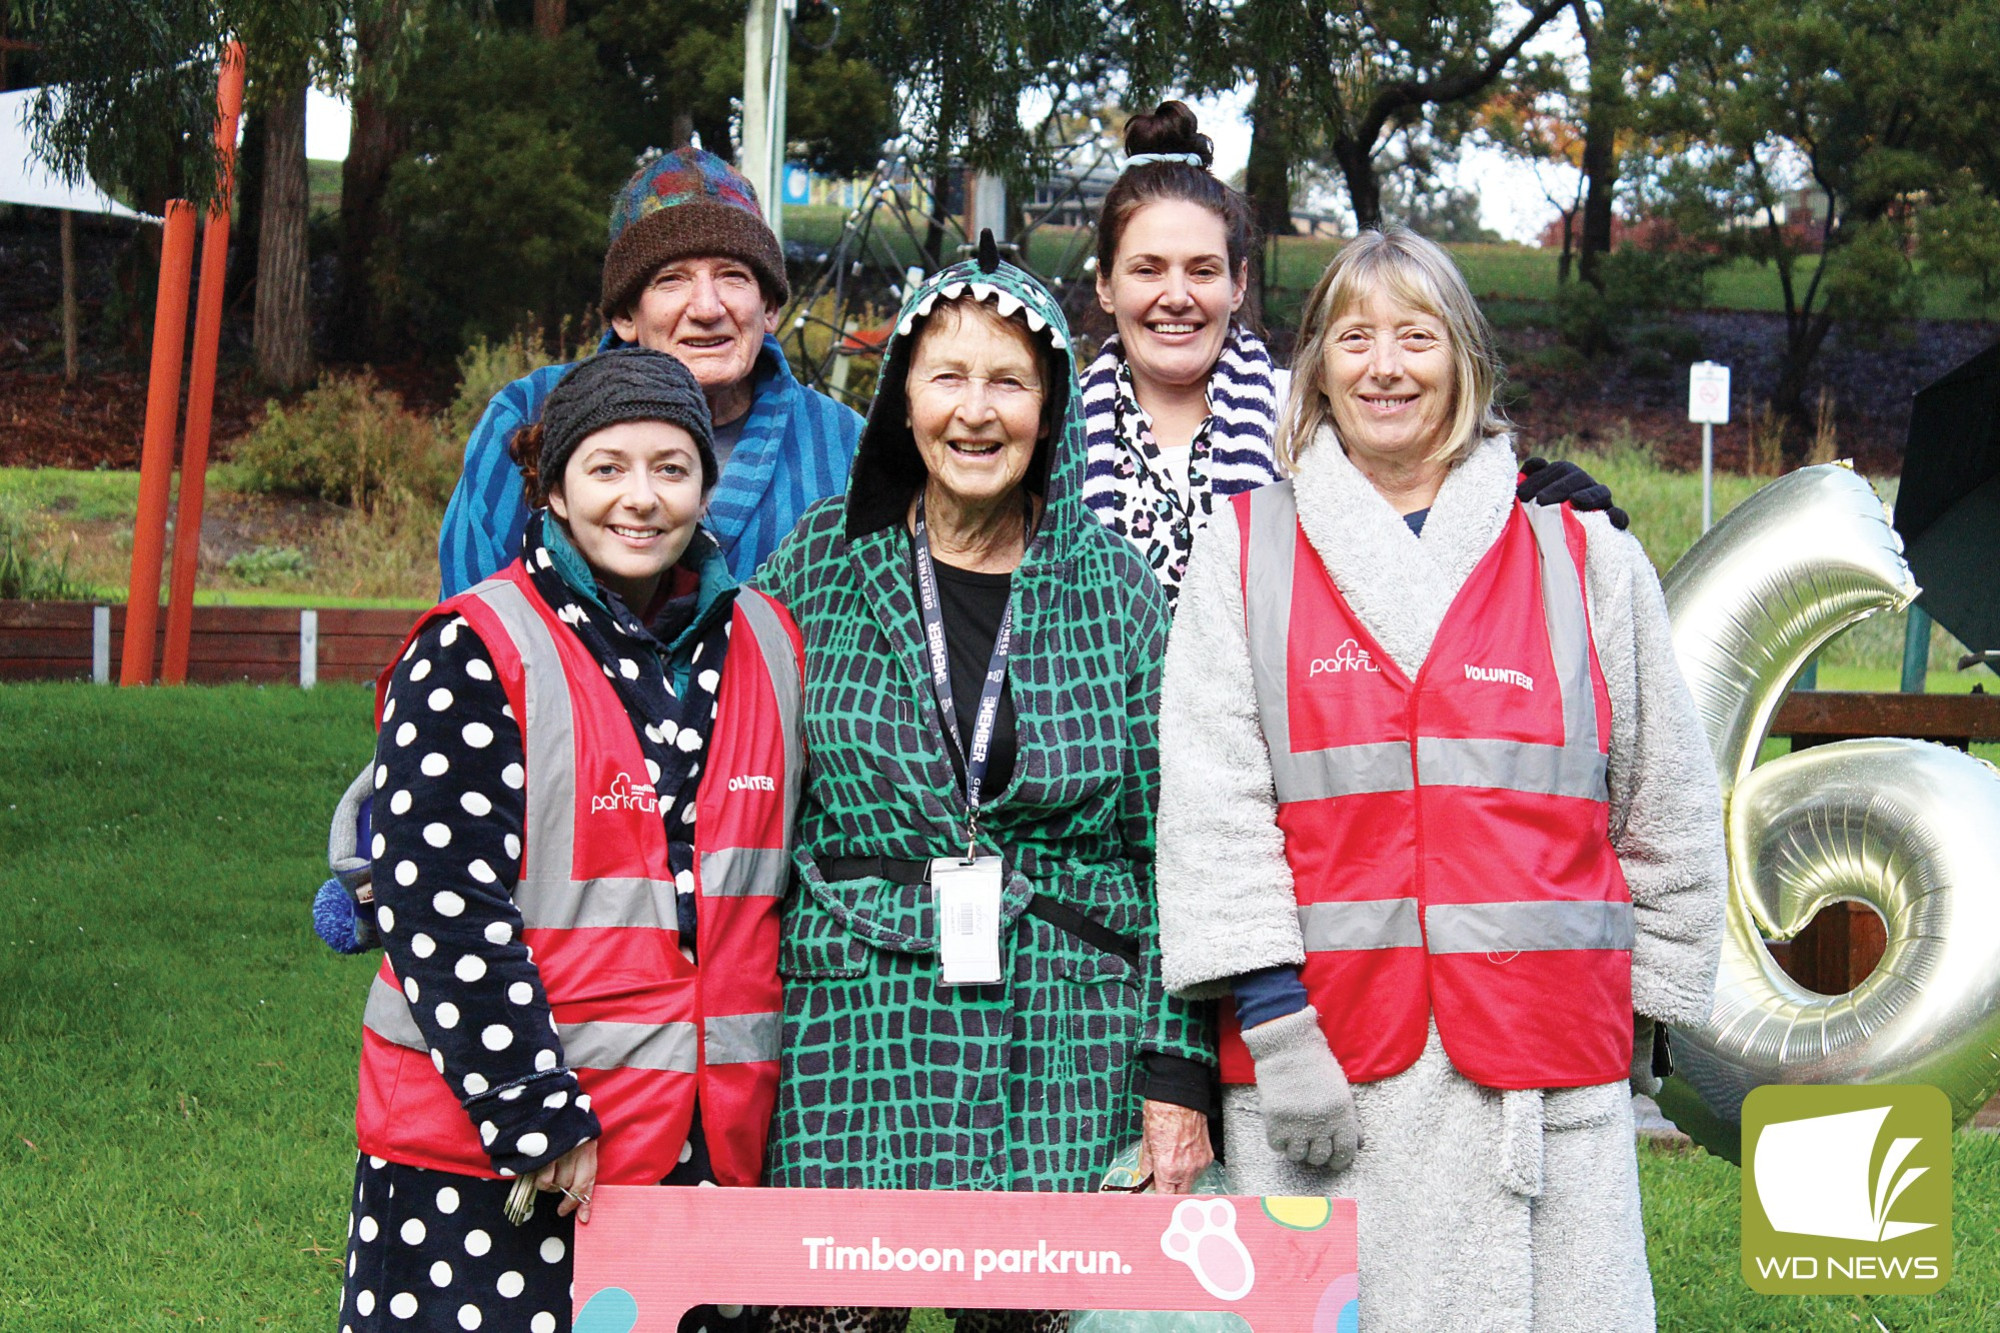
1644,1081
1307,1105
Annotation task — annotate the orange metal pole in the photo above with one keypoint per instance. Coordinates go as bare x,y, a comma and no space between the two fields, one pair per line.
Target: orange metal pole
156,462
201,378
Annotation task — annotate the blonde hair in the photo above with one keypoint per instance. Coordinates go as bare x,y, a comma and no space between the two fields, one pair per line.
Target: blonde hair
1416,273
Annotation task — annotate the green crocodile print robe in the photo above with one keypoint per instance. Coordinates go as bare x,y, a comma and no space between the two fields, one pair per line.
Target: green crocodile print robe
889,1080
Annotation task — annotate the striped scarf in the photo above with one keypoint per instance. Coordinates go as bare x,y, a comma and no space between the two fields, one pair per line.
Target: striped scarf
1127,486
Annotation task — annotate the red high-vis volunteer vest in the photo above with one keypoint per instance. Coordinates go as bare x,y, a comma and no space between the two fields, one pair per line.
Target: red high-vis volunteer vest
1447,836
645,1031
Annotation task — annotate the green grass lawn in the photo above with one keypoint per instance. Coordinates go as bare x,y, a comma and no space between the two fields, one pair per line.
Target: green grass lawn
179,1052
1693,1210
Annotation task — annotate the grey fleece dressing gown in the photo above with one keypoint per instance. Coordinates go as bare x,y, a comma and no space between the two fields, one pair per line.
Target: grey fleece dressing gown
1478,1210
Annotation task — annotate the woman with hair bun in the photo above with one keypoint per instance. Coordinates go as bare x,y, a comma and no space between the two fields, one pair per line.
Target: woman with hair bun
1181,405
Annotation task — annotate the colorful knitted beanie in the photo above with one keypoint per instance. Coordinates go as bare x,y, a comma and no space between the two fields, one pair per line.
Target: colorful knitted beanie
687,204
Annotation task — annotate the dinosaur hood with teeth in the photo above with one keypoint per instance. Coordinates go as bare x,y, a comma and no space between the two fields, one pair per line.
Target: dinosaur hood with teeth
887,467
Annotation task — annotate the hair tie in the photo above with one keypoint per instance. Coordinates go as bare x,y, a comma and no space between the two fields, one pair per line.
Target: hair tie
1146,159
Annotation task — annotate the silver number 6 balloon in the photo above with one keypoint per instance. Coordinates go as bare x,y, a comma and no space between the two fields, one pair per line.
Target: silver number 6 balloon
1910,828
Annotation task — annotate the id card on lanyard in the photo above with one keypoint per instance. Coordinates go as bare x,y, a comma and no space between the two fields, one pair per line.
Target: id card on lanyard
966,889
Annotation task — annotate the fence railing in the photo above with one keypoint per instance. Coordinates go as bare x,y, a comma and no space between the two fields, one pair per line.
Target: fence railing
81,641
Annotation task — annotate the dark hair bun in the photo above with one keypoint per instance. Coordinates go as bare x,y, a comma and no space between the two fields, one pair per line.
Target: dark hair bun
1172,128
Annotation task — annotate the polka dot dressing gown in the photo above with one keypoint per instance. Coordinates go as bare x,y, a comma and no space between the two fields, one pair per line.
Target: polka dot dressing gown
432,1250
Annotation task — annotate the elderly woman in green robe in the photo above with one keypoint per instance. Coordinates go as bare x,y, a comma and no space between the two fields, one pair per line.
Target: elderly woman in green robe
970,955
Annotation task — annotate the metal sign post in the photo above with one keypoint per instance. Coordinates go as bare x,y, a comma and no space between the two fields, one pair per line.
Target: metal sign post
1708,403
767,36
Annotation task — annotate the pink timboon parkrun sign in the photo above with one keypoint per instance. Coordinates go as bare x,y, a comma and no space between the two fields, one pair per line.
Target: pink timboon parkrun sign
1285,1265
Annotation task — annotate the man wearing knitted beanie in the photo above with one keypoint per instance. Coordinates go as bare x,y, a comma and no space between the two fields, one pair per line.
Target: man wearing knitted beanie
692,271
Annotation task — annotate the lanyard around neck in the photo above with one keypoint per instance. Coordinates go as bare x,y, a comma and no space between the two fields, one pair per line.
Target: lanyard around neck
979,754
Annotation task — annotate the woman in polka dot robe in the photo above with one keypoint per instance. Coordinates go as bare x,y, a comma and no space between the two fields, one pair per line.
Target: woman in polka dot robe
482,1045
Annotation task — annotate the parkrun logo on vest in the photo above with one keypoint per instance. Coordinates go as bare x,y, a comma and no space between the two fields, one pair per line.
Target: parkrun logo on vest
1501,676
1350,656
626,794
1846,1190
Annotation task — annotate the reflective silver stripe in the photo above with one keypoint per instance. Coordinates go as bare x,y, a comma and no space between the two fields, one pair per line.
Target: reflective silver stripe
1267,614
549,732
1551,770
1527,927
388,1017
780,662
1344,770
742,1039
598,1044
602,1044
744,872
1569,629
1574,768
1383,923
576,904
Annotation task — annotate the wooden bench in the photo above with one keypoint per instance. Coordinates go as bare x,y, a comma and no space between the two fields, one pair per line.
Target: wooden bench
1842,945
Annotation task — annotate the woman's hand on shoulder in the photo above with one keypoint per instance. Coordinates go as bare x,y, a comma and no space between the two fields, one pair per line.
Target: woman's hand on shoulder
1543,482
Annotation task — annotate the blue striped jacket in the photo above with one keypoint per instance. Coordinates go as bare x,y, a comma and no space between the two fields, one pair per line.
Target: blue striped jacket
797,448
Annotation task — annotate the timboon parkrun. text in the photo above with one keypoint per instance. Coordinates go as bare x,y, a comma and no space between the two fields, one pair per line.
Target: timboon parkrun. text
826,1252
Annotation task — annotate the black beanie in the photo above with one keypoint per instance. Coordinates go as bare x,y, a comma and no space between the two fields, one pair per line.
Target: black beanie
623,384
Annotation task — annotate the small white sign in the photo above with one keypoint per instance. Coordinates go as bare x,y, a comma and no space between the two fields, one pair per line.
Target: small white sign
1708,393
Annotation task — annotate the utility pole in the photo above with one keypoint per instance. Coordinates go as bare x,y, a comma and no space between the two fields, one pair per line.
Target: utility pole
767,42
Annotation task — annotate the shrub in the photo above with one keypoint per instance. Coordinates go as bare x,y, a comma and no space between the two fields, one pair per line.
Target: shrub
28,575
485,368
1555,359
1636,282
352,442
390,553
265,564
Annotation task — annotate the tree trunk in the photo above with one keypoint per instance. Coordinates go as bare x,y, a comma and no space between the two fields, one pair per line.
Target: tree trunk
1805,335
243,235
282,333
69,295
551,17
934,227
1267,179
1364,187
379,138
1600,172
1606,113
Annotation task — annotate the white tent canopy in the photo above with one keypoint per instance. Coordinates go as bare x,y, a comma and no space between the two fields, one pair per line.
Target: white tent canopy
24,180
